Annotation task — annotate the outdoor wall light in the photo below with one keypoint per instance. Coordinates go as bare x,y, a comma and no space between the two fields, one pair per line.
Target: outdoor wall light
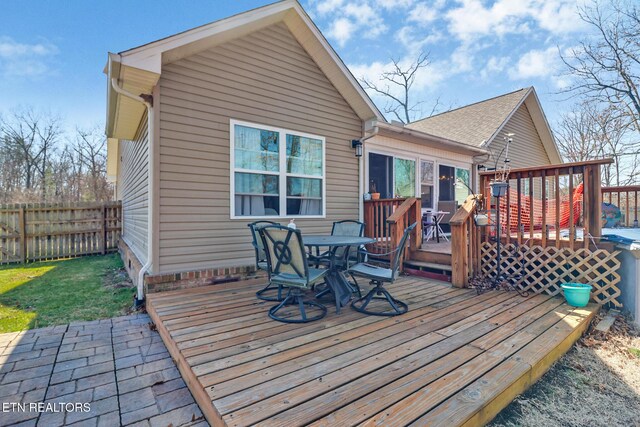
357,145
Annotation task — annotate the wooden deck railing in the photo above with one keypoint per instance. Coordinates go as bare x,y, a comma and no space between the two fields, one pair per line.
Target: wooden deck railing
547,205
386,219
544,206
465,242
626,199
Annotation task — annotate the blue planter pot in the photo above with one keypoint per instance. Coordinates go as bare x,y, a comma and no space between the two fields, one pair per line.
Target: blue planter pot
576,294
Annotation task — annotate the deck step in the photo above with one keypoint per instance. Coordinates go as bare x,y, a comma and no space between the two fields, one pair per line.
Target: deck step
422,255
428,265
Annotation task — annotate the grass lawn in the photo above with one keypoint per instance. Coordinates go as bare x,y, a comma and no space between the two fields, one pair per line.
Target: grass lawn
58,292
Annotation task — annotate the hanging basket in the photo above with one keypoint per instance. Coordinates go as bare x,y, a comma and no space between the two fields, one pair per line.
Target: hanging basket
481,219
499,189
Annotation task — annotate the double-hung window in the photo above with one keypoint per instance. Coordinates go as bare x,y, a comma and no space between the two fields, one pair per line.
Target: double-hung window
276,172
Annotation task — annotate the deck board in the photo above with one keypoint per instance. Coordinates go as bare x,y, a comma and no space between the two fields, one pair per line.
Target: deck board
456,358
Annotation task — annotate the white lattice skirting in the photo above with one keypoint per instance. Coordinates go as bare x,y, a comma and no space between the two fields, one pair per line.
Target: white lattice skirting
545,269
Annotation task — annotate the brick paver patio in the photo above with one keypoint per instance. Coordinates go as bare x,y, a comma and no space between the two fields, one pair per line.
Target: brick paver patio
120,366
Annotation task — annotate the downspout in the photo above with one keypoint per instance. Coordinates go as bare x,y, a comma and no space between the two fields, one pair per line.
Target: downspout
147,100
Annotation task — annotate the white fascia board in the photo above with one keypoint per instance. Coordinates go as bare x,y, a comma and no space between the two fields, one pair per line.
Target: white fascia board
150,56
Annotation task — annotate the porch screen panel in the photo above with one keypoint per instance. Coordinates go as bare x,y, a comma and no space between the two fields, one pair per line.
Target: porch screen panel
462,181
427,172
404,174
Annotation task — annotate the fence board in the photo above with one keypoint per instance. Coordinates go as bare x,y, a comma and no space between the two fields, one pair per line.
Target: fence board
36,232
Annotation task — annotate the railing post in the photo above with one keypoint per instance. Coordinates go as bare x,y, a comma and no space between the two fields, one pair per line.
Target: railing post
458,256
461,242
595,201
416,238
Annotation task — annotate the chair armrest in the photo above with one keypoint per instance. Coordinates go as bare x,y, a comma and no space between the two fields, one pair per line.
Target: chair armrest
367,253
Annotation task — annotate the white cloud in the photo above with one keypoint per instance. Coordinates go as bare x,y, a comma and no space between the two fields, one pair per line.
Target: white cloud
495,65
23,59
366,18
472,19
423,14
536,64
462,59
414,40
10,48
394,4
328,6
341,30
559,16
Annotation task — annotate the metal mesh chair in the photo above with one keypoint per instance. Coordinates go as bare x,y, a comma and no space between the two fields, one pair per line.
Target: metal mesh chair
340,254
346,228
288,267
378,276
261,262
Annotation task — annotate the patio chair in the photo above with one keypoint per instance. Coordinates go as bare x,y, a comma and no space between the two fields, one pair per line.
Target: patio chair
261,261
288,267
378,276
428,226
347,227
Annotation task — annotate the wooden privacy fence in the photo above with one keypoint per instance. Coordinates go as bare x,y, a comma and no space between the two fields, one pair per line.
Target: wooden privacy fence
41,231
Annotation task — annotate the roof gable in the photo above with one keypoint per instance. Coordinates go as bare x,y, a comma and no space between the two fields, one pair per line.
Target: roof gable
144,63
479,124
473,124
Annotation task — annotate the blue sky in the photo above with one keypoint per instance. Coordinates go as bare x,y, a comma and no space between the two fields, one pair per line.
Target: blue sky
52,53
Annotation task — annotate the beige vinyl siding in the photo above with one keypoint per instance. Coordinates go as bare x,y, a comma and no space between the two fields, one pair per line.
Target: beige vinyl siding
527,149
264,78
133,190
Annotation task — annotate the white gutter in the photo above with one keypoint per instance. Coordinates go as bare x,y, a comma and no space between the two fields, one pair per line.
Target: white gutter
458,146
150,189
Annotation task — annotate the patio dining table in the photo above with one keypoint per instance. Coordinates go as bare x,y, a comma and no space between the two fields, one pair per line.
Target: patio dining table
335,277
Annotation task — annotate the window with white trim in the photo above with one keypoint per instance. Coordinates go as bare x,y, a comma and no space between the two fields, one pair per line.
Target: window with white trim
276,172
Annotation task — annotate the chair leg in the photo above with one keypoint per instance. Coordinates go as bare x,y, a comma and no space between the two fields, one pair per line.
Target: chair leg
379,293
295,297
261,293
325,291
355,286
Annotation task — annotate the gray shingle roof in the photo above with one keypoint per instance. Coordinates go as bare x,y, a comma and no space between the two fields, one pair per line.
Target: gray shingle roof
472,124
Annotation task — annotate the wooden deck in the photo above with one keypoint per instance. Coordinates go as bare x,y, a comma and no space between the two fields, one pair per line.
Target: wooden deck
455,358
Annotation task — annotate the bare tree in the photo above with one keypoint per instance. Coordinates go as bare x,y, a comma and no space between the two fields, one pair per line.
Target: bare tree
575,135
29,139
590,131
90,148
606,68
395,85
35,166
